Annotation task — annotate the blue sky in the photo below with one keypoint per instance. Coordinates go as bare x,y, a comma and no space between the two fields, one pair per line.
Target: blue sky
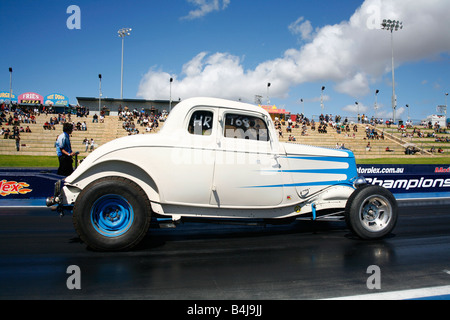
232,49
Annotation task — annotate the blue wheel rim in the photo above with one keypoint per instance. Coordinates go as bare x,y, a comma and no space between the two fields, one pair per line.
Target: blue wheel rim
112,215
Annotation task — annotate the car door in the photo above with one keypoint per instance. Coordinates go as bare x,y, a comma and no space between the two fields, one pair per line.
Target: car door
192,159
247,170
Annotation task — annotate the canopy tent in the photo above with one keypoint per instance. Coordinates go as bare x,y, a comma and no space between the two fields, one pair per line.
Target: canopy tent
275,112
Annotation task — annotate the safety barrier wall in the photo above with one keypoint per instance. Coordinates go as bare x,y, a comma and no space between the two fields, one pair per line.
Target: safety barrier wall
21,187
26,186
410,181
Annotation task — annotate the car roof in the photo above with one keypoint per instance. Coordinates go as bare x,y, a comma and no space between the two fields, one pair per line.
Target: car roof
178,113
215,102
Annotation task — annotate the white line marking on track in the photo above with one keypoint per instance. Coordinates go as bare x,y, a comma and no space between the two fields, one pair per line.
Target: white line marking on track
401,295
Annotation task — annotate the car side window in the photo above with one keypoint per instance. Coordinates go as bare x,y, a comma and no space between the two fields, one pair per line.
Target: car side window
201,123
241,126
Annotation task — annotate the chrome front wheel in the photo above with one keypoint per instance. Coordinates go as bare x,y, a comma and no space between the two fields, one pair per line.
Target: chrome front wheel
376,213
371,212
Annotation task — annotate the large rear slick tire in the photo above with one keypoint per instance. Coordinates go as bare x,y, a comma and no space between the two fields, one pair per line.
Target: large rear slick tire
371,212
112,214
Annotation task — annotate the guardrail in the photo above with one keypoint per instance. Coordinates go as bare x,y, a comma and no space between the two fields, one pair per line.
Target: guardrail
31,186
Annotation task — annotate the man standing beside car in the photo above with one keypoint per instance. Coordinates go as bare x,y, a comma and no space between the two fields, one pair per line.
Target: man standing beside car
64,151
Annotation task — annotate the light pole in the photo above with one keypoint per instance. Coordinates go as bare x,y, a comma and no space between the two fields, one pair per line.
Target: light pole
170,94
392,25
446,95
122,34
268,98
10,88
376,102
99,92
321,99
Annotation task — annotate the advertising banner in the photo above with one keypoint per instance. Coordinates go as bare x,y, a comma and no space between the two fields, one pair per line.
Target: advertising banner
4,97
57,100
18,184
410,181
404,181
31,98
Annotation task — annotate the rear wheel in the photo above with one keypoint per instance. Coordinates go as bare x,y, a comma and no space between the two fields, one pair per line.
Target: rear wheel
112,214
371,212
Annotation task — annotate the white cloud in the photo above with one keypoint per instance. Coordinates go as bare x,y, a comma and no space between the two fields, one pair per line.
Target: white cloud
386,113
356,108
206,6
357,86
352,54
303,28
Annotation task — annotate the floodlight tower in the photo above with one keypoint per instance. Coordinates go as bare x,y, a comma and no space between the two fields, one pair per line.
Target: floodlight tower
446,95
99,92
122,34
392,25
376,101
321,99
10,87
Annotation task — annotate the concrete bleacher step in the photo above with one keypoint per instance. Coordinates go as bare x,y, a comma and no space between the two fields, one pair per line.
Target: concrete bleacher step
41,142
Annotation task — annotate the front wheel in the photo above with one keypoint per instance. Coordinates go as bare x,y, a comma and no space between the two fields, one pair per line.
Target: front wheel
112,214
371,212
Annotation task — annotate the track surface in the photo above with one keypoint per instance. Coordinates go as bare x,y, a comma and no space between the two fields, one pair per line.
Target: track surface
305,260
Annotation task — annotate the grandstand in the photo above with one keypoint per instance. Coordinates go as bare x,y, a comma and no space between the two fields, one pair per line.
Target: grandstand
41,141
393,145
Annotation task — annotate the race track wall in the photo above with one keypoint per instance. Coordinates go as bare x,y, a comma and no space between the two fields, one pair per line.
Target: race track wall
410,181
22,186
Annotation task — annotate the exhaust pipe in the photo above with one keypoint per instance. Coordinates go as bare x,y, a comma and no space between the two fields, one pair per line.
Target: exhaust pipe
51,201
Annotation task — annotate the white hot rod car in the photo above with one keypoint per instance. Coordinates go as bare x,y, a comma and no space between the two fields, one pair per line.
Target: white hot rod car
217,160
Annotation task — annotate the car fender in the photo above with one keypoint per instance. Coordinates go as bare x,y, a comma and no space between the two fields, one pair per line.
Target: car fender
114,167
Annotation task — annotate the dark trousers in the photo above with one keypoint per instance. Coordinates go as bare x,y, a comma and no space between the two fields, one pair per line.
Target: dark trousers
65,165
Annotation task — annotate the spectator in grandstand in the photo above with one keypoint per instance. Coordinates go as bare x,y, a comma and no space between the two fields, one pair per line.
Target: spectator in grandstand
86,143
64,151
92,145
6,133
280,132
